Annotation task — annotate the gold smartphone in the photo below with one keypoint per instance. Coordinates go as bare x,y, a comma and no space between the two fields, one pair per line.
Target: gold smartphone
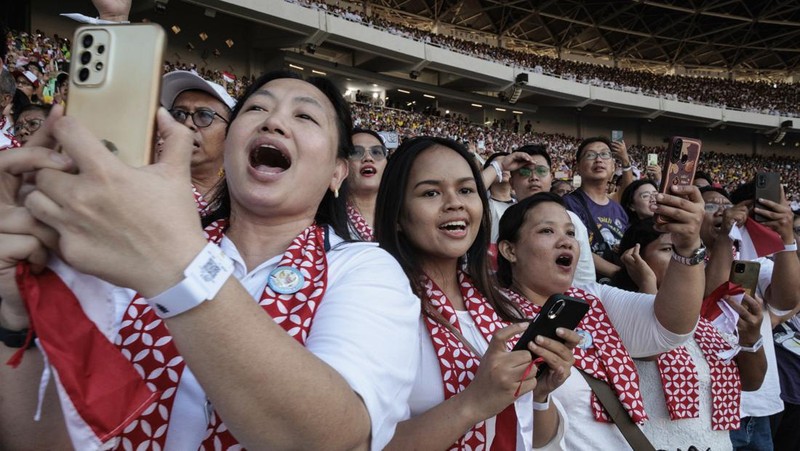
745,273
115,85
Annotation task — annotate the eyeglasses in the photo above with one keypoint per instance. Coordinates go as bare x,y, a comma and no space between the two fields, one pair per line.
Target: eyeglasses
591,155
31,126
647,195
202,118
712,208
377,153
541,171
24,82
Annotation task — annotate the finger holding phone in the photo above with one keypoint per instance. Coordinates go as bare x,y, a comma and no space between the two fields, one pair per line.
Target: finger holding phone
499,380
683,212
559,359
778,217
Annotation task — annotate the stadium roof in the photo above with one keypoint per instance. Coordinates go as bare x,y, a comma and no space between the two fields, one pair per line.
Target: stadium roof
728,34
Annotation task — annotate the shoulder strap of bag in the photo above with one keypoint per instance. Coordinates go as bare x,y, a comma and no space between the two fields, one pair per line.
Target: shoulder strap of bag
633,435
593,223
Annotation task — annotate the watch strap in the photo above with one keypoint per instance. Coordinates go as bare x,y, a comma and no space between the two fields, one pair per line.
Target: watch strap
16,338
204,277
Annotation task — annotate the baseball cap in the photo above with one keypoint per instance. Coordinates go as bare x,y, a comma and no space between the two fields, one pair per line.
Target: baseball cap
28,75
179,81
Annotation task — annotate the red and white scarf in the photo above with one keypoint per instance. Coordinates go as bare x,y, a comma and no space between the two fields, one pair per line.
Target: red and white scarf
200,200
459,364
145,340
7,140
682,388
606,360
359,223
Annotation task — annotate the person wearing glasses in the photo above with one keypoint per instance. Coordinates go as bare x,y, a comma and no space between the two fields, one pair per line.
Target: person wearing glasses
205,108
604,218
366,162
637,199
537,177
28,121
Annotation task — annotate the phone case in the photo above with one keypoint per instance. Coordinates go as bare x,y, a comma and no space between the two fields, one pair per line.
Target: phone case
559,311
115,83
652,159
768,186
745,273
680,164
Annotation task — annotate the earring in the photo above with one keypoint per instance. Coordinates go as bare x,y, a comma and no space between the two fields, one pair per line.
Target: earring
336,193
221,172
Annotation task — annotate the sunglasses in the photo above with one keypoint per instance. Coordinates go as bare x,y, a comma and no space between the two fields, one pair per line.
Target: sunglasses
202,118
713,208
377,153
541,171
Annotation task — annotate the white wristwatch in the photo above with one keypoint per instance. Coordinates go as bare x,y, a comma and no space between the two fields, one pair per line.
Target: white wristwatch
756,346
205,275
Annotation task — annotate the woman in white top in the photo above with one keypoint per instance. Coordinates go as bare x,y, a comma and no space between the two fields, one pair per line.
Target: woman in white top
334,341
692,394
470,391
538,255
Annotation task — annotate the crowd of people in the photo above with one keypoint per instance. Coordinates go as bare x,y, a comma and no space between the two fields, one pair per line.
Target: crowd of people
765,97
278,278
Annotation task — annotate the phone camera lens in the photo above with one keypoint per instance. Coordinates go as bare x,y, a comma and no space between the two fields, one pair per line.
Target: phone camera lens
88,40
101,48
86,57
739,268
83,75
98,67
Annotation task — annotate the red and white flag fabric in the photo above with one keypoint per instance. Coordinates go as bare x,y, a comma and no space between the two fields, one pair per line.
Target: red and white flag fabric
756,240
96,412
228,77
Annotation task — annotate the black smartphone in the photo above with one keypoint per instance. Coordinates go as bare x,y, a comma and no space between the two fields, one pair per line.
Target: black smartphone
768,186
559,311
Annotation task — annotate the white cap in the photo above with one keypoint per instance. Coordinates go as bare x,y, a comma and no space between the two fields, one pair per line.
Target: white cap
179,81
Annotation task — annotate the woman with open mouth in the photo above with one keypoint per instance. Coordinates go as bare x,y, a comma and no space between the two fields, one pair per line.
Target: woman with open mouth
367,160
186,356
471,391
537,258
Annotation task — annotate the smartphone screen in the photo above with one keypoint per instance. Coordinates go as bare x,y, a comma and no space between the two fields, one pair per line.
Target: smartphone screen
616,135
652,159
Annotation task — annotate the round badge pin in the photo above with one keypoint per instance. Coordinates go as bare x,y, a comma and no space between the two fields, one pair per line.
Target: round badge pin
586,339
285,280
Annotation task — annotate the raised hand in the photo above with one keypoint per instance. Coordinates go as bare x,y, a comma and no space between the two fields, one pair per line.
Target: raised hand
558,356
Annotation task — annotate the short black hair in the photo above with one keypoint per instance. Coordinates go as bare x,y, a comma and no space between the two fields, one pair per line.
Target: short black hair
744,192
587,141
627,198
715,189
642,233
537,149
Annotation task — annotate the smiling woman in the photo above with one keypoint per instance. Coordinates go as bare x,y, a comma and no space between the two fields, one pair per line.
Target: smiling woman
433,217
300,326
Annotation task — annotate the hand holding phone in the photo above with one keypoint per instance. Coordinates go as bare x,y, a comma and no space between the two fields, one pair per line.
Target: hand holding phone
559,311
616,135
745,273
768,186
679,167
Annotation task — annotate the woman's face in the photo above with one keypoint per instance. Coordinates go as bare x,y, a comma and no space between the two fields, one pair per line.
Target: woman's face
442,211
544,257
366,172
281,151
643,198
27,124
657,255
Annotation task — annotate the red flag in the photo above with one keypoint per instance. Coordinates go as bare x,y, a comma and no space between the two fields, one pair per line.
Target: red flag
102,385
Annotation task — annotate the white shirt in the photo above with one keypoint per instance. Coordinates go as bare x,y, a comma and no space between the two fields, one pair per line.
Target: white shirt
584,271
767,399
634,319
366,328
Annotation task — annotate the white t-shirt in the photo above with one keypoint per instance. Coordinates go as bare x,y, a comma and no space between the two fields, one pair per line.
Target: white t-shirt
584,271
667,434
634,319
767,399
366,328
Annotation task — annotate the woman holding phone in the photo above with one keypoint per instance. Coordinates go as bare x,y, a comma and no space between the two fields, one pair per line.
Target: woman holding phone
301,326
709,398
538,255
470,390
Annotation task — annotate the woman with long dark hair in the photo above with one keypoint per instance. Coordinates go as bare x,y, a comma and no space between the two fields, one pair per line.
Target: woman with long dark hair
470,391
